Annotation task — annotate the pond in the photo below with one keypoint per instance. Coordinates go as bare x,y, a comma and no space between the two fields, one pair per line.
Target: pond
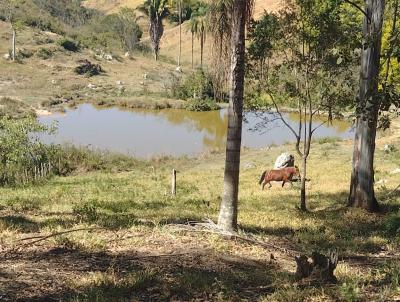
148,133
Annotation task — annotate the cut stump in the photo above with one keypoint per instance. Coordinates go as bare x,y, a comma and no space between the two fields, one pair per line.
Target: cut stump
318,267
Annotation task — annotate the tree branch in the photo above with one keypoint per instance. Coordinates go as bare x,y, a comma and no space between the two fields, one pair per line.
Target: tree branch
281,116
359,8
42,238
319,126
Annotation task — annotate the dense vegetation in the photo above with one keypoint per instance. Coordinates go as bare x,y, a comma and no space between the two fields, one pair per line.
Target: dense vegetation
71,19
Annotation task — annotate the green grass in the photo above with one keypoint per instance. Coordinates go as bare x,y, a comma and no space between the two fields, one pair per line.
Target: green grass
131,252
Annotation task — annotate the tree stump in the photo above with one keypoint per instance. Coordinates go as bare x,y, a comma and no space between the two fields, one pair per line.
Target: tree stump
318,267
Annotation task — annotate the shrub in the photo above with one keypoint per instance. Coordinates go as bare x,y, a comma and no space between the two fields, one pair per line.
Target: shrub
69,45
124,26
22,156
88,69
44,53
196,85
201,105
86,212
392,225
25,53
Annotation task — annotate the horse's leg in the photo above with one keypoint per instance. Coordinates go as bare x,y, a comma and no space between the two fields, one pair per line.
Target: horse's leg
270,186
263,185
283,183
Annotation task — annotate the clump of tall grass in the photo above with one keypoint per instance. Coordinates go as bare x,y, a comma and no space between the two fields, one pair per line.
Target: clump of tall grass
14,108
71,159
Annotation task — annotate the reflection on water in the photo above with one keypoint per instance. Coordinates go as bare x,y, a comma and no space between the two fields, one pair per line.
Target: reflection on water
146,133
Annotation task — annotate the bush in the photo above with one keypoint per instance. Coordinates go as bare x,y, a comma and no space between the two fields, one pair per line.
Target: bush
201,105
69,45
24,53
196,85
392,225
44,53
88,69
23,158
124,26
86,212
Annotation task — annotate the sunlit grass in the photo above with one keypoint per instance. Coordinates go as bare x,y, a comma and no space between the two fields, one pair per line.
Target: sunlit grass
138,203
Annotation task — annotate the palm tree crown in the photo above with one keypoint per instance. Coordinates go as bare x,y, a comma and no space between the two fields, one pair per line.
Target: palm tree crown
156,10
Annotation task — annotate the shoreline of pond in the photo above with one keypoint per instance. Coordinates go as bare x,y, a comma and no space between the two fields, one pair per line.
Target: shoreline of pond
173,132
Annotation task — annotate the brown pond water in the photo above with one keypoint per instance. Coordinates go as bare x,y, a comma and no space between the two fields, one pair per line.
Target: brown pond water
148,133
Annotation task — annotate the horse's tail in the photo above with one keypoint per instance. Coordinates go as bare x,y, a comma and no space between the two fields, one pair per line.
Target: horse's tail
262,177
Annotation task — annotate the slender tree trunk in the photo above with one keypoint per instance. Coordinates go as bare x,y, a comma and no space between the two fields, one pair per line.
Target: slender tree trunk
303,176
362,179
156,32
192,50
229,206
180,33
14,42
201,49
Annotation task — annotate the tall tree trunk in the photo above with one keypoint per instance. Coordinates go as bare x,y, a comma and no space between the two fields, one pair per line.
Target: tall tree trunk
156,32
229,206
180,33
362,179
14,42
303,176
192,50
201,49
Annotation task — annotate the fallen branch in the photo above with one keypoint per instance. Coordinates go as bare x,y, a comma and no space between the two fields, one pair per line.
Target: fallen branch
394,191
42,238
210,227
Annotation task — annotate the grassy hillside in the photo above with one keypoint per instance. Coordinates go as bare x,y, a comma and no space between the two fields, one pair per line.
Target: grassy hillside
108,6
45,76
46,80
124,239
170,40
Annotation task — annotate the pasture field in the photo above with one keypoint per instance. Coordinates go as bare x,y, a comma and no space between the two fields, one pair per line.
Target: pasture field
118,235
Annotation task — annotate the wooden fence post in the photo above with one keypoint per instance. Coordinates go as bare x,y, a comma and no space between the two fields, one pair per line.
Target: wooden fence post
173,189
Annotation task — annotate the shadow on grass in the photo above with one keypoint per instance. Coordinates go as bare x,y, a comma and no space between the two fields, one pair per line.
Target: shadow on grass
336,226
140,277
19,223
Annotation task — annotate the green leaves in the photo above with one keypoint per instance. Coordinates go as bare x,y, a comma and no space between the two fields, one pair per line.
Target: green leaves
20,147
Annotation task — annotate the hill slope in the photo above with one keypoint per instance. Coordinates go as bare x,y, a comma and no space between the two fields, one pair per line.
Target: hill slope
52,80
110,6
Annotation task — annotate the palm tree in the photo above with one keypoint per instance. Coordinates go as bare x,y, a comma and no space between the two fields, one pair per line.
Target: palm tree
238,12
193,27
198,23
157,11
219,25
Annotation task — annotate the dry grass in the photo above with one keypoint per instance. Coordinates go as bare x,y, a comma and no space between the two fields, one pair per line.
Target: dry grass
112,6
130,252
170,40
37,81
